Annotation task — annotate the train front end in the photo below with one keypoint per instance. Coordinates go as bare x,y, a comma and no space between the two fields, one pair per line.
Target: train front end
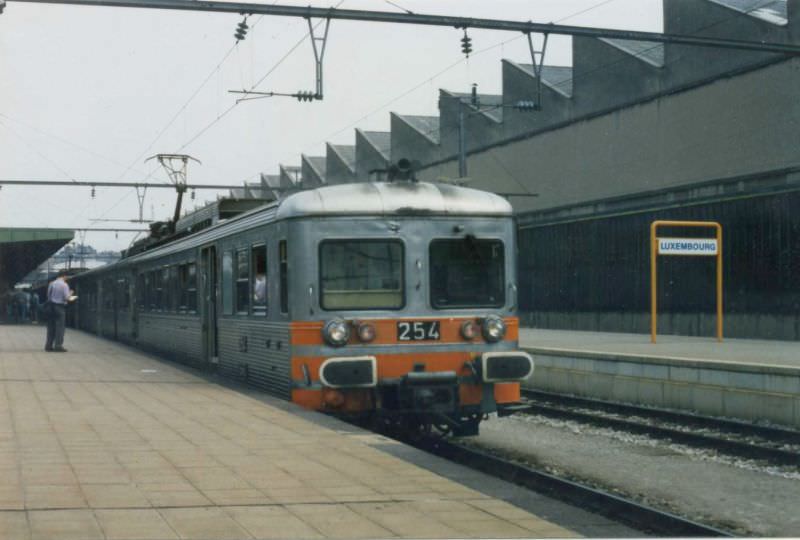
407,305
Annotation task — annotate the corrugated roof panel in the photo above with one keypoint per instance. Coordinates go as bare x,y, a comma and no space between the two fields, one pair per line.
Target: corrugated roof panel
559,78
318,163
646,51
347,153
427,125
771,11
380,140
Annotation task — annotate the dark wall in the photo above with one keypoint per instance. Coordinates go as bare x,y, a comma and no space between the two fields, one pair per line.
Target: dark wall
595,274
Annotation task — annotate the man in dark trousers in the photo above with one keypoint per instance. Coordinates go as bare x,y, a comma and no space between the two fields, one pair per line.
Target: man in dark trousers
58,294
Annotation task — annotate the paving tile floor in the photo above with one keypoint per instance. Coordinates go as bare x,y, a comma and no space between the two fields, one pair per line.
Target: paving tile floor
106,442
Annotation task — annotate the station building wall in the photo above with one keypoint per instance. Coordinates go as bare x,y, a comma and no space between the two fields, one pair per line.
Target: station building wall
724,151
594,274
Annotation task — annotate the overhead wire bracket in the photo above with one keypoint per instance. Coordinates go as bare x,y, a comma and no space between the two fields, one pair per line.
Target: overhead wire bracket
537,59
318,43
140,198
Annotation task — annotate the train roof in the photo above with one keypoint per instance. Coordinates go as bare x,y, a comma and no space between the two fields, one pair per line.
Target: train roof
394,199
386,199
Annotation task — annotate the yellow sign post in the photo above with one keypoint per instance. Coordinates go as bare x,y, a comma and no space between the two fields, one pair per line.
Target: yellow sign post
684,246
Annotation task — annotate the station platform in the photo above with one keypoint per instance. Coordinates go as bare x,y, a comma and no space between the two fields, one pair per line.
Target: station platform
748,379
107,442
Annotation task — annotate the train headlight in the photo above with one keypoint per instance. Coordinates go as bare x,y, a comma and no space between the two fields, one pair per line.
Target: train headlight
366,332
469,330
494,329
336,332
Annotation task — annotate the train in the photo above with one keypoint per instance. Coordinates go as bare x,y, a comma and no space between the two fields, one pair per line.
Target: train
394,301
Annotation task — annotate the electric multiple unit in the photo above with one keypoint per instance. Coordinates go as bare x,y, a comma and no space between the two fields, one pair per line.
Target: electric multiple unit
396,300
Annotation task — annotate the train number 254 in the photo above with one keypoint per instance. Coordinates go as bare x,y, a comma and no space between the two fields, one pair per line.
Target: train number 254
418,330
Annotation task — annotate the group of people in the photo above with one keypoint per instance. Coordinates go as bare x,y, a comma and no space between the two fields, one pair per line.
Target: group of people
25,306
22,306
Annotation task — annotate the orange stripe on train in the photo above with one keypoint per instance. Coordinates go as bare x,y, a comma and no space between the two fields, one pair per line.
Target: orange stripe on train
310,332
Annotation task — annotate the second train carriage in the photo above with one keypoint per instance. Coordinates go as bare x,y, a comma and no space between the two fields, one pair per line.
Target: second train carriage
393,298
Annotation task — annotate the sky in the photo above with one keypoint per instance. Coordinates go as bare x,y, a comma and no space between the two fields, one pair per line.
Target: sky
88,93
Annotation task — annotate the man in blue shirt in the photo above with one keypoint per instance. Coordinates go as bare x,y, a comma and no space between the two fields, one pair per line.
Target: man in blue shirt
58,294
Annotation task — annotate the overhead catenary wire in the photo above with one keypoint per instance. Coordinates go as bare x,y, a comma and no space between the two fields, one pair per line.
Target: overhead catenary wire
34,149
227,111
420,19
447,69
398,6
67,142
186,103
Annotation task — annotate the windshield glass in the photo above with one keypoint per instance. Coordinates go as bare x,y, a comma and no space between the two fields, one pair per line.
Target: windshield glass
467,272
361,274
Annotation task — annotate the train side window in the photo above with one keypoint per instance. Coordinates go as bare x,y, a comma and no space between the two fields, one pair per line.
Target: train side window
183,288
151,291
108,294
124,293
242,292
141,291
227,283
191,287
166,294
284,275
173,290
158,302
258,258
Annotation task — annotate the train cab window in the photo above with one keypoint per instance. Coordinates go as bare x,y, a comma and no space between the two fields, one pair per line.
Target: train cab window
242,286
258,258
467,272
361,274
283,259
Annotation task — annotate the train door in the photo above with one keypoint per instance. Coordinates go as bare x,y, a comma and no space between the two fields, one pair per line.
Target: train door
115,304
208,310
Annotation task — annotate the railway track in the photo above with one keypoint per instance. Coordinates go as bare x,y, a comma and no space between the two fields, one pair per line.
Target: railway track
776,446
638,516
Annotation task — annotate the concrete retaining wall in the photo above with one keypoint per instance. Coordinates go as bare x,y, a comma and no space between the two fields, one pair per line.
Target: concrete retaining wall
712,388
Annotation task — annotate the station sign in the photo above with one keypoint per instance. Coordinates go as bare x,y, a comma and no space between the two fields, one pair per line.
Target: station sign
688,246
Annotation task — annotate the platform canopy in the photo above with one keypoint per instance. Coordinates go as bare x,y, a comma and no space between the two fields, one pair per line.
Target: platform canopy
23,249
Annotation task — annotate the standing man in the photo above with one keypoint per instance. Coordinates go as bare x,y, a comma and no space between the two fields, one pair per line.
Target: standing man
34,306
58,294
